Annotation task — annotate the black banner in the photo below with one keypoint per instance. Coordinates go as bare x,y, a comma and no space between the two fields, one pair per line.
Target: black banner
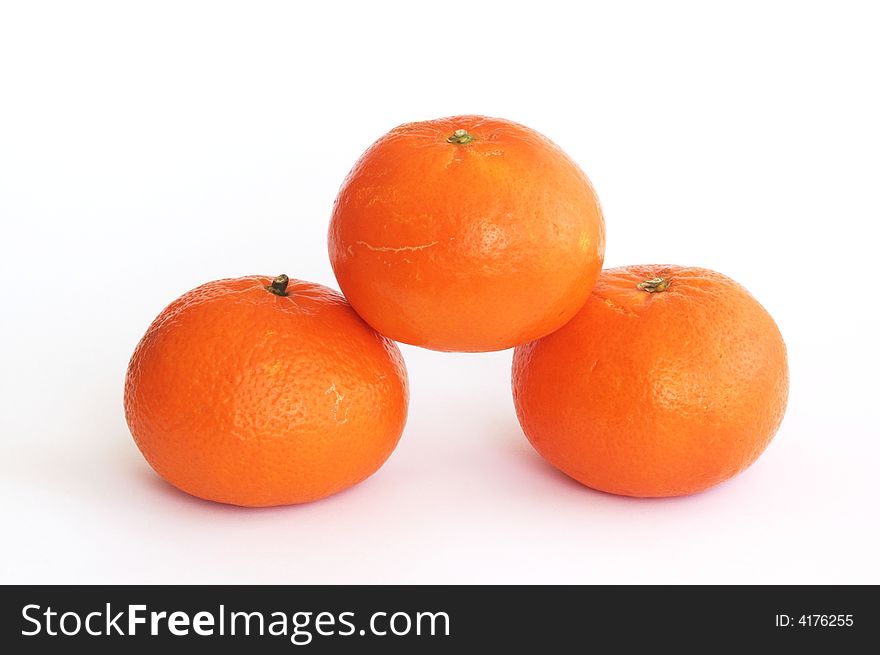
316,619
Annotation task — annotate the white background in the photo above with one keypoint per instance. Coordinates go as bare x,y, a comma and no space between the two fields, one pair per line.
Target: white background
146,148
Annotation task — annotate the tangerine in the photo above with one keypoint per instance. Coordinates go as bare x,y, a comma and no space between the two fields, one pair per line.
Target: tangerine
670,380
257,391
466,234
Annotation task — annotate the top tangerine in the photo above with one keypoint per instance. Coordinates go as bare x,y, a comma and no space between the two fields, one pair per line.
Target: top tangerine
466,234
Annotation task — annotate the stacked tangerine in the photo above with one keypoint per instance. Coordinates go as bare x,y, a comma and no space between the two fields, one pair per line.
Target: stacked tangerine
467,234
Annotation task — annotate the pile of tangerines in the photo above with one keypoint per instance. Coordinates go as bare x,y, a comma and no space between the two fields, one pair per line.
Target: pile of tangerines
466,234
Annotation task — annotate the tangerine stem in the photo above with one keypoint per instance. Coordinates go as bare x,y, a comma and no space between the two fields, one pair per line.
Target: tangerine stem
279,285
654,285
460,136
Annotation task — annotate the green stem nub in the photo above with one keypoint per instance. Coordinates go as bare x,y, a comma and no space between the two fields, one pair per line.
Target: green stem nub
460,136
654,284
279,285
